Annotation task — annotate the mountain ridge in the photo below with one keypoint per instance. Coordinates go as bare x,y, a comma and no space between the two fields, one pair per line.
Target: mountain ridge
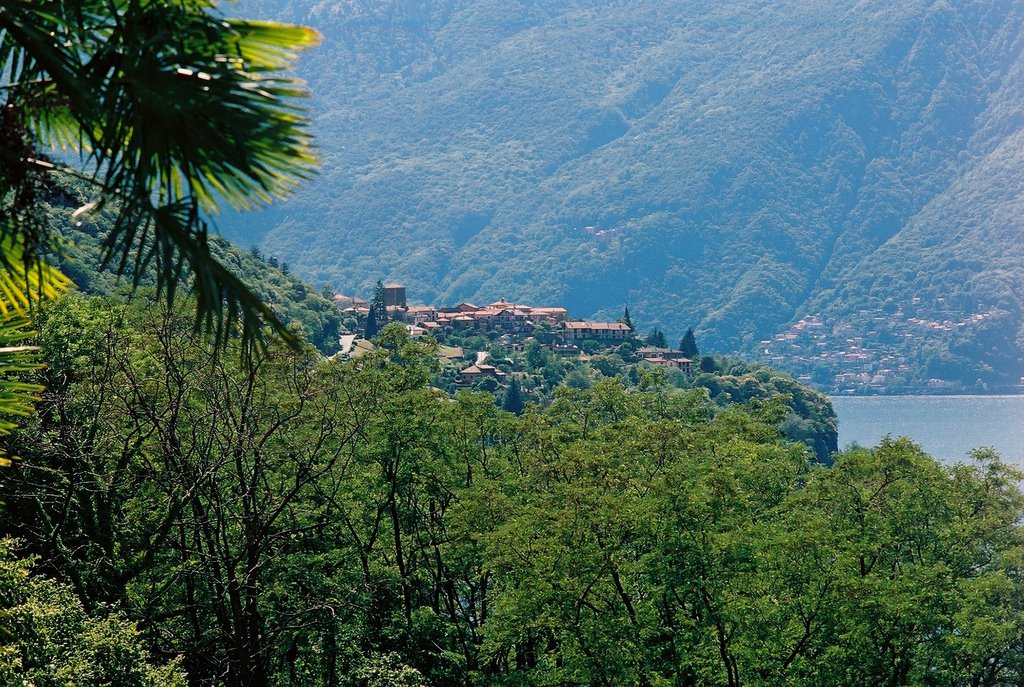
728,167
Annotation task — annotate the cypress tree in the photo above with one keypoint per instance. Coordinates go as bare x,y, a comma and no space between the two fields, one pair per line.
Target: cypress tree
371,322
513,398
627,320
378,300
656,339
689,345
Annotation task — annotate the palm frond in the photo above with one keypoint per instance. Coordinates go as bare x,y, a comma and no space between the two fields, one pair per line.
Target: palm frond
26,280
175,112
17,398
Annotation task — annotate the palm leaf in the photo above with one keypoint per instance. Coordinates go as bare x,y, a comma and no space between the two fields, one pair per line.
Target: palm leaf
26,280
174,112
17,398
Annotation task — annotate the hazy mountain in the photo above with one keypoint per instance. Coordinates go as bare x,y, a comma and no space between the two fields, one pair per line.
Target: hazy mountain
736,166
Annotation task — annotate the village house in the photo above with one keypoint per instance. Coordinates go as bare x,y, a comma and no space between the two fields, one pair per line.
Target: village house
651,352
597,331
502,304
418,314
511,319
463,308
474,373
415,332
485,318
684,364
351,303
553,315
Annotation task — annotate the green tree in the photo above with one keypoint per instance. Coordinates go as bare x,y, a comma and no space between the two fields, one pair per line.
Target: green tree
626,319
901,577
231,447
50,640
688,345
379,302
536,356
372,324
608,365
513,401
656,338
240,552
577,379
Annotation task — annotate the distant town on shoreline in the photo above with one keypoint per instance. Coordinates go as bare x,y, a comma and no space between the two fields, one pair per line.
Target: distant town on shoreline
866,366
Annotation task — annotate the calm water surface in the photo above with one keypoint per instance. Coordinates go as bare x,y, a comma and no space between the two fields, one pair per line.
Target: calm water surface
946,426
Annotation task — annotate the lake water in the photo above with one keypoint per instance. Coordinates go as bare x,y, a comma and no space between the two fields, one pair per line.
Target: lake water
946,426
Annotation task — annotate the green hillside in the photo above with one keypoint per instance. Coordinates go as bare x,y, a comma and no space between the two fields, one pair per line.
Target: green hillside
81,250
735,166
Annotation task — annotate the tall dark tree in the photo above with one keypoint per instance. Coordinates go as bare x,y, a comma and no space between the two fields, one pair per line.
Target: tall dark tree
371,322
513,398
656,338
627,320
377,302
689,345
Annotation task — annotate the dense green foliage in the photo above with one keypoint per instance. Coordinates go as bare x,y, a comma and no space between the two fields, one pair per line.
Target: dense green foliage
49,640
277,519
808,414
732,165
536,375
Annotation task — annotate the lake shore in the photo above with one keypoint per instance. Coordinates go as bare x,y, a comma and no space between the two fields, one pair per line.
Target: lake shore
1014,390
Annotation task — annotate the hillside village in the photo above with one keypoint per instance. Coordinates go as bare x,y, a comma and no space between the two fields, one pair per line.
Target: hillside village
524,354
871,355
870,359
500,326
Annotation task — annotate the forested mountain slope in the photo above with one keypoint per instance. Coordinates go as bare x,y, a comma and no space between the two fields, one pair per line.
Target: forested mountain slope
82,242
737,166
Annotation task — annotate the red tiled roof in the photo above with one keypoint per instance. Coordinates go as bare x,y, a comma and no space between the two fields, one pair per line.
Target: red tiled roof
502,304
342,299
482,369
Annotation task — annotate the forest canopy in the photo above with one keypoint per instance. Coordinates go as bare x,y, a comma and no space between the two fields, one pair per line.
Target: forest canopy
275,518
